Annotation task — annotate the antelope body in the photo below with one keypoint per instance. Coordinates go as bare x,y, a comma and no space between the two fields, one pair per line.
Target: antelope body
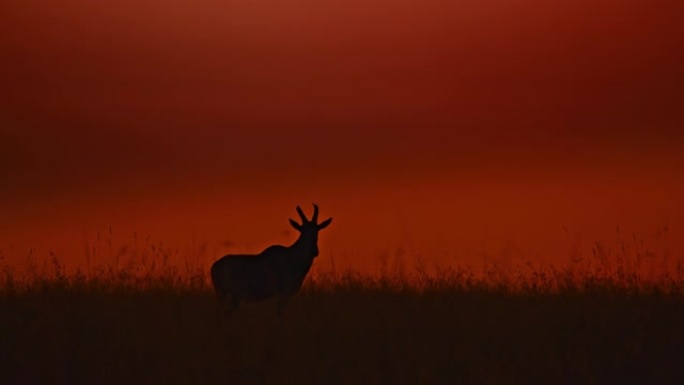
278,271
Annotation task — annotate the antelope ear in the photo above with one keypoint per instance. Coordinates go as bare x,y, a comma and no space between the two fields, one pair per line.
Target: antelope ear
324,224
296,225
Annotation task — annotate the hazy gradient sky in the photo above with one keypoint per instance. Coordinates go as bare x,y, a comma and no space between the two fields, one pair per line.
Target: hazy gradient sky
442,126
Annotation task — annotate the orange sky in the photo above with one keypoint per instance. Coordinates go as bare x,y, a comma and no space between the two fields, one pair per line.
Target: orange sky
444,127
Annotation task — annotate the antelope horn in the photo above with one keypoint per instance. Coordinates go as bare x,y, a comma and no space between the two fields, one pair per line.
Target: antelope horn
314,218
301,215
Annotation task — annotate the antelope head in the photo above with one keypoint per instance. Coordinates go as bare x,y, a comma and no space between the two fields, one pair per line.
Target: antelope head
308,229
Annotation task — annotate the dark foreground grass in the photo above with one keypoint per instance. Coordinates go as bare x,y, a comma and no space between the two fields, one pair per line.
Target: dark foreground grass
352,331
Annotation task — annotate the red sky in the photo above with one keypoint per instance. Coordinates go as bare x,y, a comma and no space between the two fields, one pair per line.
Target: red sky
444,127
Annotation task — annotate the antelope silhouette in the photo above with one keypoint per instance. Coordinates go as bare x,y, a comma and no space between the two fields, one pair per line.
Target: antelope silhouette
278,271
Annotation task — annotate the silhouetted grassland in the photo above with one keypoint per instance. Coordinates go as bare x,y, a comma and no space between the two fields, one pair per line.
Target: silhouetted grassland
547,327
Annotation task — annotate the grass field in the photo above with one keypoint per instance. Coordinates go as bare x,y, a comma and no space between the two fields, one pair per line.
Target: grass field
344,329
137,318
